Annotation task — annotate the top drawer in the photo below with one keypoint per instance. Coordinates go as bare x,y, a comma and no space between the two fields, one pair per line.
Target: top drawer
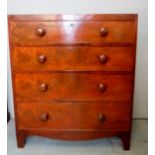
74,32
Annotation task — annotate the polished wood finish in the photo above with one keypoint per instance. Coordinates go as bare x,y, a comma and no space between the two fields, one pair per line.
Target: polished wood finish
74,87
103,58
95,116
73,75
44,116
42,59
101,118
75,58
40,32
103,31
75,17
48,33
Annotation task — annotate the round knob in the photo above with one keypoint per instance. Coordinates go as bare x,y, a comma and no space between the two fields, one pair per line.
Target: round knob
103,32
43,87
40,32
101,118
101,87
102,58
44,116
42,59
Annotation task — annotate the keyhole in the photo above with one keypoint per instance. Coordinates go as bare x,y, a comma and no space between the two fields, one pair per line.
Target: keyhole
72,24
71,49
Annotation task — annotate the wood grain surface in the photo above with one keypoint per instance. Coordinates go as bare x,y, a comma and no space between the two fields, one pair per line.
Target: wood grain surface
73,116
73,75
77,86
76,58
25,33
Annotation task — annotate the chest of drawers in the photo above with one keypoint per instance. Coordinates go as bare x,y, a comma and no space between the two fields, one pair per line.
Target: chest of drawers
73,75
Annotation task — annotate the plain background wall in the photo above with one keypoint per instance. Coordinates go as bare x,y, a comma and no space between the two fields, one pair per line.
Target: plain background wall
91,7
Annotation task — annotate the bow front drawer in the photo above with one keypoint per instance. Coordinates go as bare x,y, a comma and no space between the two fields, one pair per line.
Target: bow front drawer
73,86
54,32
56,116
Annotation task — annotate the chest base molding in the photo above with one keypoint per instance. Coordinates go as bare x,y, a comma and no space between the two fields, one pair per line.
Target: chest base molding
75,135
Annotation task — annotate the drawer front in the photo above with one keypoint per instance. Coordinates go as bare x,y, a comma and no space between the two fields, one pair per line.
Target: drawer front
73,58
45,33
73,86
67,115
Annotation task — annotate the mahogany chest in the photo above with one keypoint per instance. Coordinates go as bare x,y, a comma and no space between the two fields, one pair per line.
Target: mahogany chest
73,75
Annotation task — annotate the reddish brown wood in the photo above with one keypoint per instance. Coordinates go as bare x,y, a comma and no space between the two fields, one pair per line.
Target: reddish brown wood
104,31
70,115
44,117
24,33
69,86
41,59
67,55
71,17
72,135
21,139
73,58
43,87
125,137
40,32
103,58
101,117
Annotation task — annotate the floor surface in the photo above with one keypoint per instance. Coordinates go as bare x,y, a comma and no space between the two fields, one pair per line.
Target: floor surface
105,146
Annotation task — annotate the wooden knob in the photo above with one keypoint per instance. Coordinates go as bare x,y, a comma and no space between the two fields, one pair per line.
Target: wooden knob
44,116
101,87
43,87
103,32
42,59
102,58
101,118
40,32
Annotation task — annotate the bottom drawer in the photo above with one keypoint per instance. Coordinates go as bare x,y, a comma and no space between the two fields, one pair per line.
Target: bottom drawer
77,115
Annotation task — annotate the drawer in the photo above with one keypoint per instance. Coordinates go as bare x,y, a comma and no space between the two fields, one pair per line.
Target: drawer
63,116
75,58
46,33
73,86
